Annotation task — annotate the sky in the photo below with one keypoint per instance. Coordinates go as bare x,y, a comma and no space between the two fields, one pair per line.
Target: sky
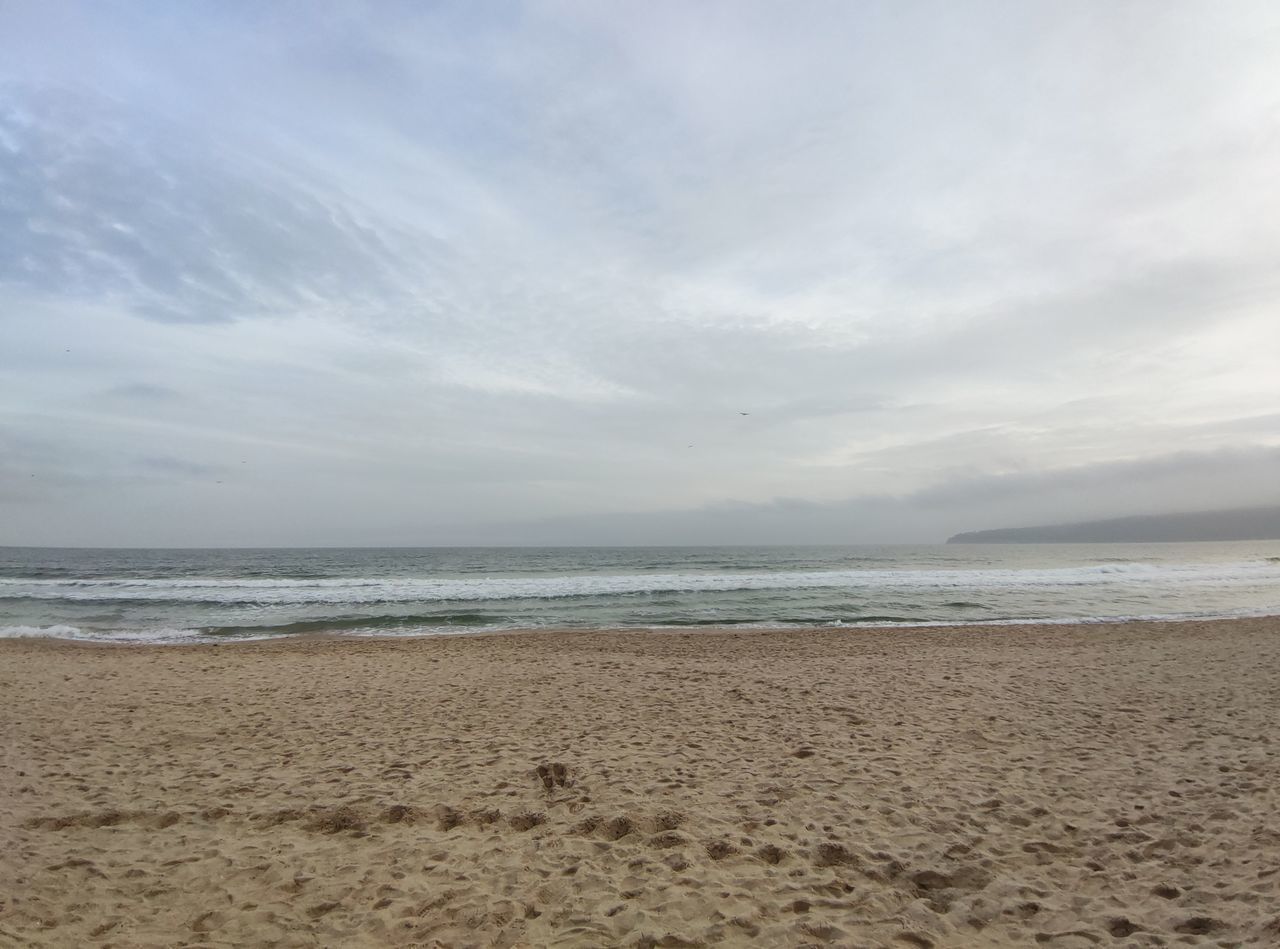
639,272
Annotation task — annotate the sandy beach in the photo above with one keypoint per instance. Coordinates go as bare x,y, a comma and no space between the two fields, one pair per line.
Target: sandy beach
1067,786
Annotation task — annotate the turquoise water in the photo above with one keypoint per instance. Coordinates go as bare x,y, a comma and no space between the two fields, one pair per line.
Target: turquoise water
185,595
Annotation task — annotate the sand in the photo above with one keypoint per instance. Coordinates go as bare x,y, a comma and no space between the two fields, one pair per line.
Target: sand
1005,786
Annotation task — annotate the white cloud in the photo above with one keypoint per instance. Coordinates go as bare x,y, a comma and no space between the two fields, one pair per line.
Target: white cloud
463,267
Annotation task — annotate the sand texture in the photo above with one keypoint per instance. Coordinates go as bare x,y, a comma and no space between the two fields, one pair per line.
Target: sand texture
1108,785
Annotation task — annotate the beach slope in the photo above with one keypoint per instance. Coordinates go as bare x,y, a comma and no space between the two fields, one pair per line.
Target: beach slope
986,786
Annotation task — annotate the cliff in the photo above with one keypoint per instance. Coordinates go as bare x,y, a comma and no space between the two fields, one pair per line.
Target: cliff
1259,523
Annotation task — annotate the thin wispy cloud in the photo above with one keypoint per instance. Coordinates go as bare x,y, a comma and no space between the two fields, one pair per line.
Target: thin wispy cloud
378,273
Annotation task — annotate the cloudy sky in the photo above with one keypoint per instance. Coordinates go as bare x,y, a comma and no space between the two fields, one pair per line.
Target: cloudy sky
349,273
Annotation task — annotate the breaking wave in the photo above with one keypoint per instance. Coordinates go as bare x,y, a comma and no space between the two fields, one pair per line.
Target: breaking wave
365,590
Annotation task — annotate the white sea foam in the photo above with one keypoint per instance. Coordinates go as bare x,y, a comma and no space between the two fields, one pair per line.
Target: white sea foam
365,590
155,635
56,631
64,631
167,636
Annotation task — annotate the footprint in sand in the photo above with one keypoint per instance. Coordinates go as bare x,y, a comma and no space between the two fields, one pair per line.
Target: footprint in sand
1199,926
771,854
553,775
527,821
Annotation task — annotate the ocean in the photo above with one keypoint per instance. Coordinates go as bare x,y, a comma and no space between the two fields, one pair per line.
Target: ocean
169,596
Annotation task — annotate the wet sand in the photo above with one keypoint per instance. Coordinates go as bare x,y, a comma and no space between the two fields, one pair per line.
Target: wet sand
1066,786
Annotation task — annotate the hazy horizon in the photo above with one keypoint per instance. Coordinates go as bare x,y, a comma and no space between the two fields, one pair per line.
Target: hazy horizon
564,274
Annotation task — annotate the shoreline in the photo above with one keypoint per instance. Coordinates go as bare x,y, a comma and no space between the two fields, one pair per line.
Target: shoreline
204,640
922,786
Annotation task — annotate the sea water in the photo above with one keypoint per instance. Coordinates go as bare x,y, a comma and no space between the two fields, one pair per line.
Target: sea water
220,595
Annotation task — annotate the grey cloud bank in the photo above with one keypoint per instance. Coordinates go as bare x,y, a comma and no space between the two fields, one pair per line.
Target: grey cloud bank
373,274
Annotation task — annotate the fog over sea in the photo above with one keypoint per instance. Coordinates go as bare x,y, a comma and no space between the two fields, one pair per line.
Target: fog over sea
224,595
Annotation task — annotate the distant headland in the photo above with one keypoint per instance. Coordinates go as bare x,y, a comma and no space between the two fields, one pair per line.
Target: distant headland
1257,523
